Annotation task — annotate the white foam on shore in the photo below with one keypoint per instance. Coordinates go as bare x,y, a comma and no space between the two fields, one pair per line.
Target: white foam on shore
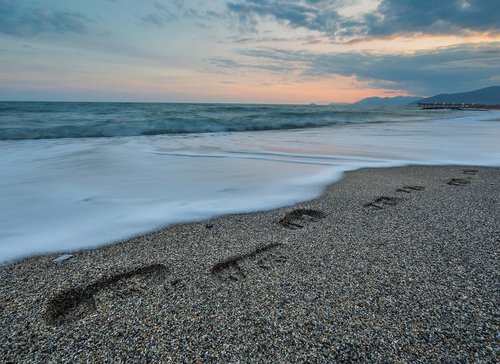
68,194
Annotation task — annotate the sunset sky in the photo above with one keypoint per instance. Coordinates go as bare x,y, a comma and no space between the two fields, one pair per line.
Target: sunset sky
253,51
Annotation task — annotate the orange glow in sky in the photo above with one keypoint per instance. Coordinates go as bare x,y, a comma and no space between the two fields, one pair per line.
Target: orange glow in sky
244,51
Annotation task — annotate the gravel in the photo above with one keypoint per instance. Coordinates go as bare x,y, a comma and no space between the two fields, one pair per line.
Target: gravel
388,265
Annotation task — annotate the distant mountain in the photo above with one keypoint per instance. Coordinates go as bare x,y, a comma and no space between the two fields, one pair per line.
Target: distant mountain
487,96
387,101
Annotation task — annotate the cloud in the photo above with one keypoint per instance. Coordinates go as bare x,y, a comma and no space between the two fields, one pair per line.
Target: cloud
275,67
434,17
257,39
314,15
450,69
163,14
390,17
169,11
18,20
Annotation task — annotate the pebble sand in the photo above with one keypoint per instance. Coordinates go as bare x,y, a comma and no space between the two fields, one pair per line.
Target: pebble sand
388,265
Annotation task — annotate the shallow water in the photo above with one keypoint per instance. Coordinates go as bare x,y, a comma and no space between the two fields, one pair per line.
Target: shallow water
79,175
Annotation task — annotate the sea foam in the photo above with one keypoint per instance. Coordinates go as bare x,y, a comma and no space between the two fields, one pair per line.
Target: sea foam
60,195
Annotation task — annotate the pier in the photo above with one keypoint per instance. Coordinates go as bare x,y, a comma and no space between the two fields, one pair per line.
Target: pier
457,106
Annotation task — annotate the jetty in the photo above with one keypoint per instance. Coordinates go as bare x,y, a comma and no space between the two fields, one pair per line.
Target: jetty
457,106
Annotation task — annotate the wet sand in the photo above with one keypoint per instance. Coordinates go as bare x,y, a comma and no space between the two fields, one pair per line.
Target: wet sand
388,265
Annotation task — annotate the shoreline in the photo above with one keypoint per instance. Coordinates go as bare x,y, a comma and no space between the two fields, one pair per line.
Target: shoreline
387,264
144,182
51,256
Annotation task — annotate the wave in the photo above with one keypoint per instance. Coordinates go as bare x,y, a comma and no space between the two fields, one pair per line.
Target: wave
21,121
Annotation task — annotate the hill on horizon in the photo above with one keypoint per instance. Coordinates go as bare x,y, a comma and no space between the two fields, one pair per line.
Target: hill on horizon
387,101
488,96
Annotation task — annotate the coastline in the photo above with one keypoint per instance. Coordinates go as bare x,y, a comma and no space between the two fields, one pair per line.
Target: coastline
388,264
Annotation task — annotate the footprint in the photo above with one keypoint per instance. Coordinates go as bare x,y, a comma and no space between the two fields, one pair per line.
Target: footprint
410,189
378,204
76,303
298,218
228,270
469,171
459,182
233,269
267,262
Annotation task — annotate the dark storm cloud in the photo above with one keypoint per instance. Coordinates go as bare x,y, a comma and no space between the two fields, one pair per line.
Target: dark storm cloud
391,16
450,69
18,20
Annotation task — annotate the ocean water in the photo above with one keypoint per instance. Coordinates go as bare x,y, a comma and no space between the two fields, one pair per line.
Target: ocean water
79,175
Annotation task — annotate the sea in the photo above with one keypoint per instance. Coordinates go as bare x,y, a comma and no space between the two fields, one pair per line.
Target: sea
80,175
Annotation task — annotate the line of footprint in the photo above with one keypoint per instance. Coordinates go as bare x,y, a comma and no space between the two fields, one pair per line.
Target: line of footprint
74,304
383,201
463,181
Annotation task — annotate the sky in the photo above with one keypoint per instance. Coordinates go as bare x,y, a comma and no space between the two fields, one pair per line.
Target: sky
248,51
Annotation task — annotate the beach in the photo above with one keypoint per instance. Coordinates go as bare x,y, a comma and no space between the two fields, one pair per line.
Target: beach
387,265
81,175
